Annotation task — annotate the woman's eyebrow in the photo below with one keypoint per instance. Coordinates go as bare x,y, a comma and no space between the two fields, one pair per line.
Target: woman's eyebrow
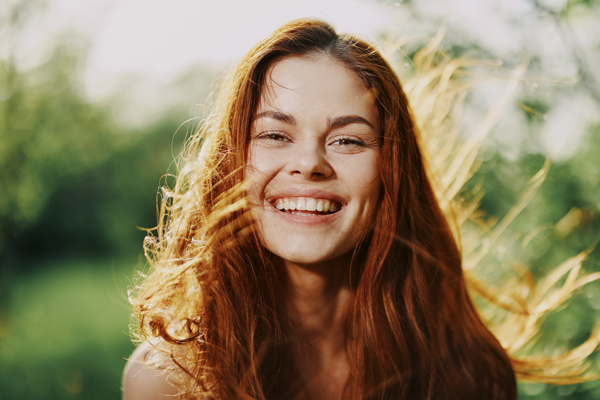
343,120
278,116
335,123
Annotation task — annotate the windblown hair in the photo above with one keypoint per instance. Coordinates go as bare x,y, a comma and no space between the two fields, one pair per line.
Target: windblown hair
210,302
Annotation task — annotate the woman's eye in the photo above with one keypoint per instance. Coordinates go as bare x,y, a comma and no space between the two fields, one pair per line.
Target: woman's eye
274,136
348,141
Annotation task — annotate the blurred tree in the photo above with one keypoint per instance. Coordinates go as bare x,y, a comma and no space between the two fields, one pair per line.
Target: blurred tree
102,210
72,181
49,136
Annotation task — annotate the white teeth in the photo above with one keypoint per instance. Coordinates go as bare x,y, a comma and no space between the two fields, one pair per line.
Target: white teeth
320,205
300,204
306,204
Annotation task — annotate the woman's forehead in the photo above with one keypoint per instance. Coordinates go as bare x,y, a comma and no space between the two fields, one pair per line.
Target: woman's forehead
301,84
295,72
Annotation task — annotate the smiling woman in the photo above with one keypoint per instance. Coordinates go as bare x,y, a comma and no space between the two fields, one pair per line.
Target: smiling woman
314,143
302,253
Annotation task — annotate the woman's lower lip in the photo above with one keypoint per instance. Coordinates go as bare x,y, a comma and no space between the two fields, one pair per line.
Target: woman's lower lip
297,212
305,218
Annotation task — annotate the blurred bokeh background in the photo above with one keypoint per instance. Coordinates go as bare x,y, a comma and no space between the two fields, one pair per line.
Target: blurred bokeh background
94,99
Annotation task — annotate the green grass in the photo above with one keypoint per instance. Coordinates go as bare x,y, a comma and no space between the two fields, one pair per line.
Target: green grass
65,331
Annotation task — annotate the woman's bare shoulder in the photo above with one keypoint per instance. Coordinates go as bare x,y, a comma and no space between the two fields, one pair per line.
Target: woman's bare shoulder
143,382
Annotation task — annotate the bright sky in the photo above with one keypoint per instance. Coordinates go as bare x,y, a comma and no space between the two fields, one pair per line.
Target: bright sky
162,38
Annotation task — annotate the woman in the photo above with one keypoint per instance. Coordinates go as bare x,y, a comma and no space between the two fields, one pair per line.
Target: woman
302,253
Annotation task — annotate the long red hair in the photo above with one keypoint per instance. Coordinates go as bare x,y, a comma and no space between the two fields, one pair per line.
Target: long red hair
413,332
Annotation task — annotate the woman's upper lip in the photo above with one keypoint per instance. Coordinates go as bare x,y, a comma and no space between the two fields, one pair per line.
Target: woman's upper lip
306,192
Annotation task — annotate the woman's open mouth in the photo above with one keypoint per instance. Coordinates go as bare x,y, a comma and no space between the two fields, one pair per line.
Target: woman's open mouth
306,205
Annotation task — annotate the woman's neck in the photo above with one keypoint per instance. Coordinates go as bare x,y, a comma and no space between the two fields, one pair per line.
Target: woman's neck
318,298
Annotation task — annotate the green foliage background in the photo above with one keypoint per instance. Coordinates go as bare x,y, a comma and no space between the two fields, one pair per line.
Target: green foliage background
75,187
76,190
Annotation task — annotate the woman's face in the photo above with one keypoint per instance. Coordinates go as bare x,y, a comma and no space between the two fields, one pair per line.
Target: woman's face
313,160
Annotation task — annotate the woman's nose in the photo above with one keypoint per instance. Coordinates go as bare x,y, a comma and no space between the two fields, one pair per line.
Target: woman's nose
309,160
